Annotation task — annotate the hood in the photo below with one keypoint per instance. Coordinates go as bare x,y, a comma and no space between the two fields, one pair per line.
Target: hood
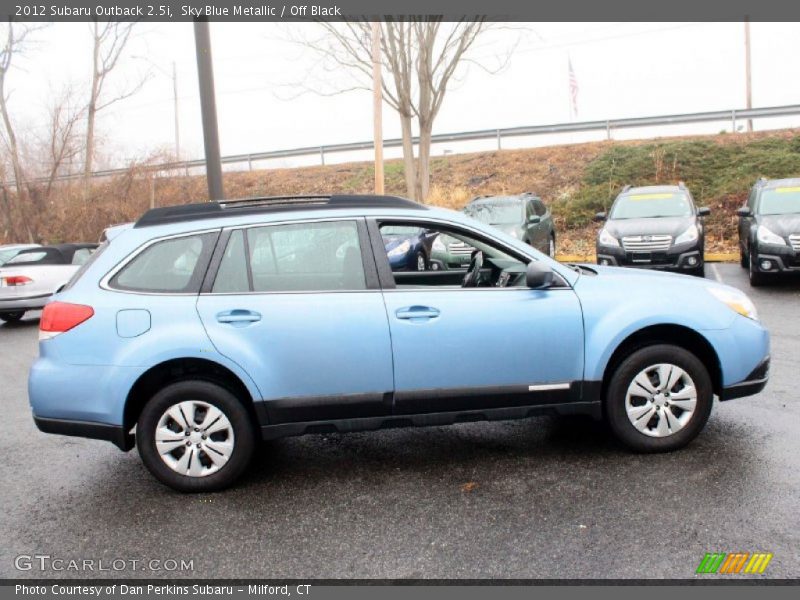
782,225
392,241
673,226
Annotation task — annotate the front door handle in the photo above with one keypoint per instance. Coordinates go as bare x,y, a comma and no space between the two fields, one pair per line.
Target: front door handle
238,317
414,313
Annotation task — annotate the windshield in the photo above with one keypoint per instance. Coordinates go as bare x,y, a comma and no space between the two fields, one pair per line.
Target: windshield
495,214
780,201
662,204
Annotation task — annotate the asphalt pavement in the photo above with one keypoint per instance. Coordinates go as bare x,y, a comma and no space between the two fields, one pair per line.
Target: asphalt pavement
541,498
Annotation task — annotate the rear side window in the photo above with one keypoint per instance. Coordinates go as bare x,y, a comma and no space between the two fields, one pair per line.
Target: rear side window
37,257
85,266
81,256
302,257
176,265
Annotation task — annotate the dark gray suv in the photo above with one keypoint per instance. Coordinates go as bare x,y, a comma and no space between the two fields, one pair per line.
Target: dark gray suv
524,216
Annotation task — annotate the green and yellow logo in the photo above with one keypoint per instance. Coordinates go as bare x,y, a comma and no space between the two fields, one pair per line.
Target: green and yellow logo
722,563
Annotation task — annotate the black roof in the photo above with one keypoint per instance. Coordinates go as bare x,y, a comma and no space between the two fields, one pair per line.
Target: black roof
54,254
230,208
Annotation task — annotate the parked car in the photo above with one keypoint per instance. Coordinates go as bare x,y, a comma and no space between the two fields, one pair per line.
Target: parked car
9,251
29,279
175,329
654,227
523,216
448,252
769,230
408,248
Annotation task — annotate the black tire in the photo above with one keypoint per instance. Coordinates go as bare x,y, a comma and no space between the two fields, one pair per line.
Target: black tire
12,316
700,271
553,240
744,261
633,365
757,279
210,393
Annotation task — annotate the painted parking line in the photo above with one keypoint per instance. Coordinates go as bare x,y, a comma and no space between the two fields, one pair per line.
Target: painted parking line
715,271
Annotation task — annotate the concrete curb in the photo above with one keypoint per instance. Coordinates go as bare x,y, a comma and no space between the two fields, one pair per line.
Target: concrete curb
590,258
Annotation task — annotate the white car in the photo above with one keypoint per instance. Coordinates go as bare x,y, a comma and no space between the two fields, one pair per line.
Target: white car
29,279
9,251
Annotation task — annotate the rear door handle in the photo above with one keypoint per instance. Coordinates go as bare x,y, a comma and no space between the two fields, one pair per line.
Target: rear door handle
417,312
238,317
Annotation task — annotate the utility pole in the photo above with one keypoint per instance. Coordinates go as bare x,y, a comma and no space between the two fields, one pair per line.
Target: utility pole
175,106
208,108
377,106
747,72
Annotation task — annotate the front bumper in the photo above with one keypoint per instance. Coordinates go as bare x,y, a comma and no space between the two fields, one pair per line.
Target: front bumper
37,302
779,259
677,258
753,383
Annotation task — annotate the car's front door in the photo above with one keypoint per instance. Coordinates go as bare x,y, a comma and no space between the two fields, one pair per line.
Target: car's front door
459,349
298,307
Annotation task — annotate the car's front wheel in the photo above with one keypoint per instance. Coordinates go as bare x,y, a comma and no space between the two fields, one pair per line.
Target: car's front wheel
420,263
659,399
12,316
195,436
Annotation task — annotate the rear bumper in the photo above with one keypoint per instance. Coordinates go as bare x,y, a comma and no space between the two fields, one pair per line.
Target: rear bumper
96,431
24,302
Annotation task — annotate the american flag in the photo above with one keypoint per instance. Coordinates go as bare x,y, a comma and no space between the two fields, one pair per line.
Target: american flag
573,89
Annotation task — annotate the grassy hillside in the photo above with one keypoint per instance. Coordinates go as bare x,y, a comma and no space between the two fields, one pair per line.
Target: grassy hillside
575,180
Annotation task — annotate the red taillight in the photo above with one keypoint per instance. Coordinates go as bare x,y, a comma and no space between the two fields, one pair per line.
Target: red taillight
59,317
14,280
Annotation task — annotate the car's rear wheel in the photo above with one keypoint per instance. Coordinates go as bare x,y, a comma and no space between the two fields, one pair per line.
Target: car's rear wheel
12,317
195,436
659,399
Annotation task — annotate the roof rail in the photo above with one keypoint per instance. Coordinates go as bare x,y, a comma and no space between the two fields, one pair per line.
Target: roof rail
682,185
228,208
626,188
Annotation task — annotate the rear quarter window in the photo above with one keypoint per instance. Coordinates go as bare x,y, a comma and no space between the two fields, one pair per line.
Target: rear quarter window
175,265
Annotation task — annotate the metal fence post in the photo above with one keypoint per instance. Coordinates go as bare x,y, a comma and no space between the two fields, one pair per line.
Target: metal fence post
608,130
499,146
322,155
249,162
733,121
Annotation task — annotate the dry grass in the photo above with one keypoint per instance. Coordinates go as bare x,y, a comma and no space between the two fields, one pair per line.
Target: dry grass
566,177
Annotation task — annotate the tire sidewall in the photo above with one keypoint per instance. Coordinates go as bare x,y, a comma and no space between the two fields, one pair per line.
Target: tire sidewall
221,398
616,413
12,316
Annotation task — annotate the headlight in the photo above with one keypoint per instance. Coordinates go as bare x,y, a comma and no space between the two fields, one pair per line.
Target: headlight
438,245
400,250
690,235
735,300
765,236
606,239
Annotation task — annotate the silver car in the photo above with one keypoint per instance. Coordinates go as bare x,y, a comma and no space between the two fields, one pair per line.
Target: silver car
9,251
29,279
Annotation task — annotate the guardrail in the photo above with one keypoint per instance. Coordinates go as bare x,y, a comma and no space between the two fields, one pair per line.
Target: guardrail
608,125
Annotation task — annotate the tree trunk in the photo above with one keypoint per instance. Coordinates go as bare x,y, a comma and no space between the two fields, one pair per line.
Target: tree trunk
424,168
408,157
16,165
91,112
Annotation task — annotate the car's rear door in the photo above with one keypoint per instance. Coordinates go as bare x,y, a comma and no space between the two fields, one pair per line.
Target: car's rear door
459,349
298,306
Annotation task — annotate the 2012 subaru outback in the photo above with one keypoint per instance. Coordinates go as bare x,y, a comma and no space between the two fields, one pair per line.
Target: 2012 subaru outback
204,327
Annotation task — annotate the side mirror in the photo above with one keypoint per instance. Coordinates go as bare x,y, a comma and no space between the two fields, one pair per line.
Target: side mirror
601,216
744,212
703,211
538,276
533,219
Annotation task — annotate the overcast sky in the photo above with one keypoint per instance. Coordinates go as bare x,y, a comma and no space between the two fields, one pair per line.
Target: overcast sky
623,70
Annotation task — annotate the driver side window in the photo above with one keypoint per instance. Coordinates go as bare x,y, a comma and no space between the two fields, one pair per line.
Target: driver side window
423,255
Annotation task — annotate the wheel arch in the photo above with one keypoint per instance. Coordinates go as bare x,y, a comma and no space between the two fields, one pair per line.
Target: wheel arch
182,369
677,335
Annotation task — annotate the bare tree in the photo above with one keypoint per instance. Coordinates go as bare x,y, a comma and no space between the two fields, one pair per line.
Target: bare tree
109,42
15,43
421,57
